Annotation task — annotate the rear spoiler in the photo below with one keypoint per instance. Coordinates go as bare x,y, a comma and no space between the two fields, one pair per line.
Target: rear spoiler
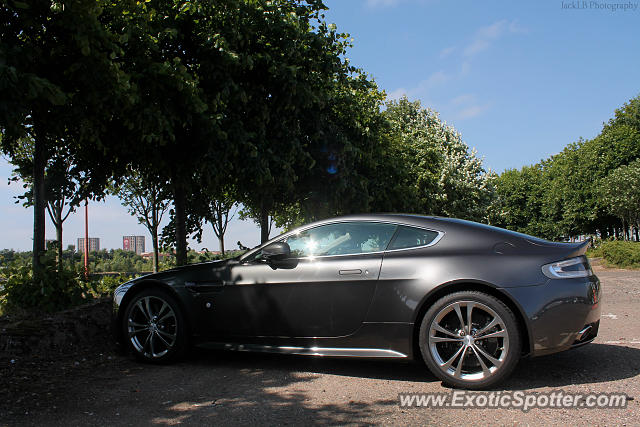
569,250
580,248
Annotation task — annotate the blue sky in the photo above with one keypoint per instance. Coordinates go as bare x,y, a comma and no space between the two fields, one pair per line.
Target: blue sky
519,80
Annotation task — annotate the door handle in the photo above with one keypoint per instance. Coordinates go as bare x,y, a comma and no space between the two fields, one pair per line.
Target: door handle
350,272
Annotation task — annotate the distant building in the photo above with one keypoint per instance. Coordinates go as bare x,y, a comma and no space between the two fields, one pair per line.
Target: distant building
133,244
94,244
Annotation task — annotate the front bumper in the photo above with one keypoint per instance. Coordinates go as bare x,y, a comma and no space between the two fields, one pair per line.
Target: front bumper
561,314
116,319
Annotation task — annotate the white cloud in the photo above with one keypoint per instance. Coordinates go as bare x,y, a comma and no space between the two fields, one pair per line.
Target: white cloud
435,80
514,27
467,106
465,68
463,99
447,51
472,111
382,3
476,47
485,36
397,94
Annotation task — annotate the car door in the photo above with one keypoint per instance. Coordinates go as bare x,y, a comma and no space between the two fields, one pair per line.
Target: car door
323,290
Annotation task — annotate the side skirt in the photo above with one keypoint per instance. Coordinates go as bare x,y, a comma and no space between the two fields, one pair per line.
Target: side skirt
308,351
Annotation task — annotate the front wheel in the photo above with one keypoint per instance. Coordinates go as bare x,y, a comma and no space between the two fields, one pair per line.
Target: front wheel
154,328
470,340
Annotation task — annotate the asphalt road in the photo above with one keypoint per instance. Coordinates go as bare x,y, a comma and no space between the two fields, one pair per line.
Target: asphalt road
240,388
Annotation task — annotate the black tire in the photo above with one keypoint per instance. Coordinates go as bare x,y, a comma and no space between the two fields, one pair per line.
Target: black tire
154,329
475,356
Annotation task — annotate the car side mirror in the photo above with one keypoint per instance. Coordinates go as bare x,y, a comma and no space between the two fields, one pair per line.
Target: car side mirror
276,251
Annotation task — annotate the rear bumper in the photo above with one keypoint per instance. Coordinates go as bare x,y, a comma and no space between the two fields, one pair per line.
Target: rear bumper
562,313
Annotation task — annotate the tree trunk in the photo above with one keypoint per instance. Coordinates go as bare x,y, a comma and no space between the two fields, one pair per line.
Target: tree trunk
153,229
156,261
221,240
221,236
264,223
59,239
637,234
39,163
181,228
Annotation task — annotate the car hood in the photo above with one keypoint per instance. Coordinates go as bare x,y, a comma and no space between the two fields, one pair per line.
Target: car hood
178,275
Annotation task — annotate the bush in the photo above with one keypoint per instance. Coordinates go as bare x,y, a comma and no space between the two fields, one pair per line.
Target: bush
53,290
105,285
595,251
621,254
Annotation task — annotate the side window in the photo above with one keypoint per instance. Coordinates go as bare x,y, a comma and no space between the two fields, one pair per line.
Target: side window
341,239
410,237
256,256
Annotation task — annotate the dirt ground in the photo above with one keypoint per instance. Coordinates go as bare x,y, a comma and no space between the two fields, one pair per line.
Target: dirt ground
95,385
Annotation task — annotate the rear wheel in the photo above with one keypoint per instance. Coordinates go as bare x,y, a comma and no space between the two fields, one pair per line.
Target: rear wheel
154,328
470,340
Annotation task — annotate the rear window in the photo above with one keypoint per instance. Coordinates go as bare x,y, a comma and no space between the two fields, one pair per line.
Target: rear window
410,237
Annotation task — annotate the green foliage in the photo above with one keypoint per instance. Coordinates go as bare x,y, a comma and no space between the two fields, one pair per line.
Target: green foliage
105,285
117,260
57,65
61,288
569,193
196,257
53,290
621,254
217,102
517,203
595,251
619,193
9,256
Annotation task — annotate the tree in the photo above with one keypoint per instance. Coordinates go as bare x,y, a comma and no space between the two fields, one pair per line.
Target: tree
619,193
559,197
291,59
219,215
517,200
181,68
147,200
57,64
60,185
348,152
442,175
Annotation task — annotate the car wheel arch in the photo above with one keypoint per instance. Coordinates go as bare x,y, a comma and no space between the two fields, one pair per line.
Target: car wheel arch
151,284
469,285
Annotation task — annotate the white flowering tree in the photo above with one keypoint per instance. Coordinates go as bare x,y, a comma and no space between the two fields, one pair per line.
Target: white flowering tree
444,175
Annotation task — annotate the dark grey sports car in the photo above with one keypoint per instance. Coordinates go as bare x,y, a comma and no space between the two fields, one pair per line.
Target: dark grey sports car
467,298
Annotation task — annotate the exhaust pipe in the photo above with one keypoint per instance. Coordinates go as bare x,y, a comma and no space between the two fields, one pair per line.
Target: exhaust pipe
583,333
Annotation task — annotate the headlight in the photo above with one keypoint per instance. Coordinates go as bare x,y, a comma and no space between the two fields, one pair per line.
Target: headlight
568,269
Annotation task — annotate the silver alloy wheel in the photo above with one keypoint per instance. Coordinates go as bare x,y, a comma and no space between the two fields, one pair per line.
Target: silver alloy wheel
468,340
152,327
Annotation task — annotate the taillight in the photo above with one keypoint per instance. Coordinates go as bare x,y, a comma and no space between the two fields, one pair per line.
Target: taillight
568,269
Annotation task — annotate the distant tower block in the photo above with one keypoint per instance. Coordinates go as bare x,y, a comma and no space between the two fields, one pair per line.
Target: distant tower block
133,244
